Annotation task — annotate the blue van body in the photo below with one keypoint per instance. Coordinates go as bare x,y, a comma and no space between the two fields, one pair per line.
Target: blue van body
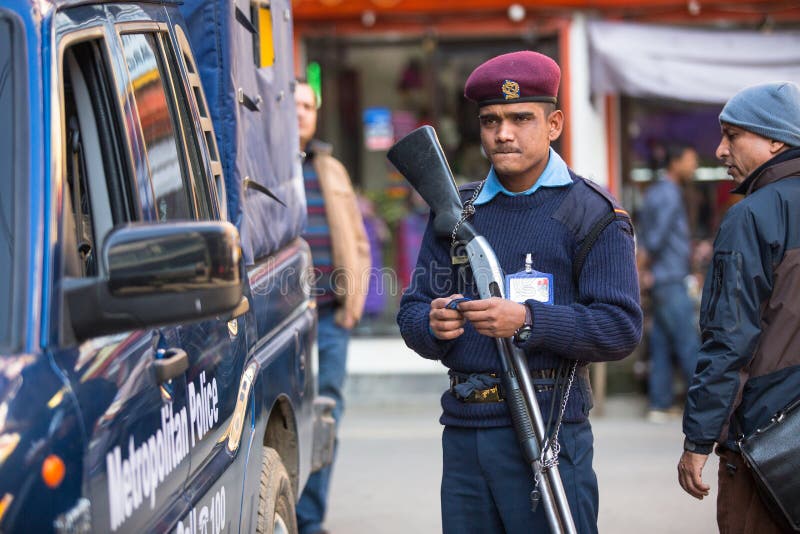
156,322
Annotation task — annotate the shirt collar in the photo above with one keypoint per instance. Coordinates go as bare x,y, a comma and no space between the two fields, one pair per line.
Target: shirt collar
555,174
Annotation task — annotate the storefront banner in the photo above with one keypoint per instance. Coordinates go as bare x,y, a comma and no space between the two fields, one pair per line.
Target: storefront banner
693,65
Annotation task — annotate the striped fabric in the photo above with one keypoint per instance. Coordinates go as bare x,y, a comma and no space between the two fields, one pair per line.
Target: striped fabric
318,235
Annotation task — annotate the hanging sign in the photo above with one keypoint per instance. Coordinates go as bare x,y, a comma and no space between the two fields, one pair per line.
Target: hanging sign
378,130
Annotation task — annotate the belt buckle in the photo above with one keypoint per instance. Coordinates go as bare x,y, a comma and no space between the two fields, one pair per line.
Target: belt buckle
491,394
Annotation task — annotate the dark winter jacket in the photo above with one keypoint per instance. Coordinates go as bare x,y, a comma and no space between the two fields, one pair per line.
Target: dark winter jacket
749,364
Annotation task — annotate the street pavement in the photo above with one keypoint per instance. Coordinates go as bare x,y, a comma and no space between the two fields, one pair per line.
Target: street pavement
387,475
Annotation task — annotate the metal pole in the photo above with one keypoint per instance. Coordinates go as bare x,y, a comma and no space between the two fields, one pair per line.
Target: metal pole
526,434
553,476
519,392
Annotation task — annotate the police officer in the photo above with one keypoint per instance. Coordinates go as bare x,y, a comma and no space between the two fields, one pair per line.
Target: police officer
530,206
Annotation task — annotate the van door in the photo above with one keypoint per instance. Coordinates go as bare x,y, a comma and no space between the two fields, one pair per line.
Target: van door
217,349
136,425
185,187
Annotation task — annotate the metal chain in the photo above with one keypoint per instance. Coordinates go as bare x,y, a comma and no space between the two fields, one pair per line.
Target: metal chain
552,443
542,464
466,212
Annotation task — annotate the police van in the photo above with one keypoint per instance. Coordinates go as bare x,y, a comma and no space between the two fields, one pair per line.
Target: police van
156,321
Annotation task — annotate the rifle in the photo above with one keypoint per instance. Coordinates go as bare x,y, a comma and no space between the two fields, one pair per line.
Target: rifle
419,157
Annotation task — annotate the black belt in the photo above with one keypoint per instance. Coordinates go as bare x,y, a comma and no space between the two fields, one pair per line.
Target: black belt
543,380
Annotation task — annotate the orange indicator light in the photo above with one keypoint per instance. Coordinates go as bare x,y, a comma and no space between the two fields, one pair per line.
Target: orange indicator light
53,471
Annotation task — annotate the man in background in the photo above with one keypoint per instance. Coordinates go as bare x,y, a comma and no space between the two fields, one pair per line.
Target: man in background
340,250
665,249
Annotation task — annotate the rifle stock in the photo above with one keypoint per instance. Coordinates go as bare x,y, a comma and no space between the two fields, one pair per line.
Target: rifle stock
420,158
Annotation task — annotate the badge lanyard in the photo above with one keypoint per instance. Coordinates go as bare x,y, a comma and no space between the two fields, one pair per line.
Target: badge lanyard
529,284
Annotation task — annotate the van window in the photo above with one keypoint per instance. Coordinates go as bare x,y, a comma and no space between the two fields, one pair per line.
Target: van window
11,143
170,189
95,195
189,129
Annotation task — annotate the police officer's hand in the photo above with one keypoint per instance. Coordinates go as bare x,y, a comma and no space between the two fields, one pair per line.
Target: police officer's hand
494,317
690,474
446,324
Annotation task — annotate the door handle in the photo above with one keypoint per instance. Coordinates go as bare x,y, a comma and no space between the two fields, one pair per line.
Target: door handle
172,364
240,309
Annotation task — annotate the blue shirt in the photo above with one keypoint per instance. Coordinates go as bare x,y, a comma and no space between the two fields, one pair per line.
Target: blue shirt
555,174
664,232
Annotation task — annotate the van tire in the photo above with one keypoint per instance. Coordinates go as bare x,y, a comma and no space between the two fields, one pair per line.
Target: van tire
276,514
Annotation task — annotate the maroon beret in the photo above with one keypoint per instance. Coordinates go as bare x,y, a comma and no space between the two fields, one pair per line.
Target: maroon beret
516,77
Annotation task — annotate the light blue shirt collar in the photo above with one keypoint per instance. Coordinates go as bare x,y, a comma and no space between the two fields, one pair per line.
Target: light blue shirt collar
555,174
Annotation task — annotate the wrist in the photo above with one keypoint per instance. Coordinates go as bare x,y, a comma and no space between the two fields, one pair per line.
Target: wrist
525,330
697,448
431,332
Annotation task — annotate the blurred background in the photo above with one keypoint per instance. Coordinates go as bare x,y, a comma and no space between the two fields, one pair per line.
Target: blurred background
636,78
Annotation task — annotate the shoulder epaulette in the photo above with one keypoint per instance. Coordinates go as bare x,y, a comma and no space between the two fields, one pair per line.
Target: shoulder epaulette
587,210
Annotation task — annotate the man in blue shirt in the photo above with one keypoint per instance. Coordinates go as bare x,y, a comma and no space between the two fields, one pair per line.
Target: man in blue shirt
529,205
665,245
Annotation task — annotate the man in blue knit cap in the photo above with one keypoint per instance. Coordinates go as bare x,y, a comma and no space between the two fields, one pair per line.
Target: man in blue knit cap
537,215
748,367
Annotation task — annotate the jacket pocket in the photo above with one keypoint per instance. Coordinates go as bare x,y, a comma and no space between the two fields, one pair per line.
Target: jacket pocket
725,277
716,287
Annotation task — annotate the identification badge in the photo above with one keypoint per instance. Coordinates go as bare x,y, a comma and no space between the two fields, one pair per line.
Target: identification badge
529,285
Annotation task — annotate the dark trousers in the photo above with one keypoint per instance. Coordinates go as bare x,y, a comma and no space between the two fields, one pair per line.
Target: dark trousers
486,484
332,341
739,508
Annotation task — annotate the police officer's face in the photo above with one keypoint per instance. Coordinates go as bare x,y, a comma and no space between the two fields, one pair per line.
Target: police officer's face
306,103
517,137
743,151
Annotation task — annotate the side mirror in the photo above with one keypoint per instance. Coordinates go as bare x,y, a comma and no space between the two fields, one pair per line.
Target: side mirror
158,274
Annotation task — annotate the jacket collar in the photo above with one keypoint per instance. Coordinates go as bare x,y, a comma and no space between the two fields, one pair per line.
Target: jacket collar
781,166
315,146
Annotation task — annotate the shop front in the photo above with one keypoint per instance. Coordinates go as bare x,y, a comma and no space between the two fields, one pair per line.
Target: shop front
628,88
670,83
378,86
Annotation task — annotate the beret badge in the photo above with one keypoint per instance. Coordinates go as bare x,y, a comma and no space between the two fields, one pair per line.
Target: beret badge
510,89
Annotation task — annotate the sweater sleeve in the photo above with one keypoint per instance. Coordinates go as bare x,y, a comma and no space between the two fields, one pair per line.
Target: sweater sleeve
432,278
736,285
605,321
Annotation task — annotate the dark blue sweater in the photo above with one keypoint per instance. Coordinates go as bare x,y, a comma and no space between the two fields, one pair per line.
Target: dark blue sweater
598,320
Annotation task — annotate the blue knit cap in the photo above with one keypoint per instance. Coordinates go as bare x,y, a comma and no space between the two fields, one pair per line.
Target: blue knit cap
771,110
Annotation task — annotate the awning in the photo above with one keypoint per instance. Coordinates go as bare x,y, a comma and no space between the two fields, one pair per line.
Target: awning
693,65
